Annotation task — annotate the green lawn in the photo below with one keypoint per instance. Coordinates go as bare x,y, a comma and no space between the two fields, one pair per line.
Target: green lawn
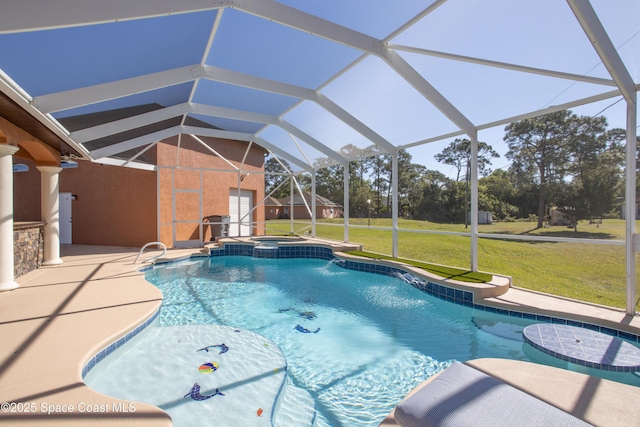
594,273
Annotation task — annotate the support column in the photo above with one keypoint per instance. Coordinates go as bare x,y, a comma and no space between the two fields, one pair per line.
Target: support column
474,203
394,202
314,216
7,281
50,212
597,35
292,191
345,209
630,208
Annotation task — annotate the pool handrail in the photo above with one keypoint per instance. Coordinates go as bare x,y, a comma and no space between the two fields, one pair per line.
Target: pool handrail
164,251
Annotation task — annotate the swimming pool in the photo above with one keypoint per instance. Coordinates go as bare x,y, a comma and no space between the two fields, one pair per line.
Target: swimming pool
355,341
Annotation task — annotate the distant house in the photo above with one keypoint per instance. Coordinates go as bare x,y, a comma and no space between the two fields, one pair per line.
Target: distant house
325,208
273,208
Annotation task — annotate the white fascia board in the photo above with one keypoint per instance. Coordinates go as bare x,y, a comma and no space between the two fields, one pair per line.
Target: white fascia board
312,142
120,147
311,24
22,99
278,152
117,89
601,42
35,15
354,123
397,63
504,65
123,125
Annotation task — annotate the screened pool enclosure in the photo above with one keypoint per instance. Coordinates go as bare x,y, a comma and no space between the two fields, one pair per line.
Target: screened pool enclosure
323,83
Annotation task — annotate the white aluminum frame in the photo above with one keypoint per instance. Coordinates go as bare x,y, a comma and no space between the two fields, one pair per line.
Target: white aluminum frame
32,15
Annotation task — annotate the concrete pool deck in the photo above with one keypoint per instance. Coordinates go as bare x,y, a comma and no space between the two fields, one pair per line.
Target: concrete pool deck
60,316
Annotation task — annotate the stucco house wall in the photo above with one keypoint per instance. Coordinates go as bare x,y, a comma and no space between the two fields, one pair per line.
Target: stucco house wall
183,169
113,206
119,206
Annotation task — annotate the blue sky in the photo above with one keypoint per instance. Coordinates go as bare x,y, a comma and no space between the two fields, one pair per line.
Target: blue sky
541,33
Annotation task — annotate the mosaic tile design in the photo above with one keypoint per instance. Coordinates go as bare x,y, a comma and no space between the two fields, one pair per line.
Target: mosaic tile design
584,347
274,252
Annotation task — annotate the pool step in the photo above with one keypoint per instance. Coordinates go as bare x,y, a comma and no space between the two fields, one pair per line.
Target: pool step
295,408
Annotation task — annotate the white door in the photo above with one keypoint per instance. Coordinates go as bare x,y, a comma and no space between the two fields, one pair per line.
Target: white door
240,209
65,218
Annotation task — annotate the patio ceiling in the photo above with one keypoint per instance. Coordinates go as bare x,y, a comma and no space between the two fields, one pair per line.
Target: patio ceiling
312,82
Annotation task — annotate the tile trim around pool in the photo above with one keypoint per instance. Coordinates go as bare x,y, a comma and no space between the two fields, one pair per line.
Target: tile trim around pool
446,293
100,355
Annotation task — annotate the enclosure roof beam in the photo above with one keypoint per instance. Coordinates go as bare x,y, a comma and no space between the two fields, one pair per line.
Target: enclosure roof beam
512,119
107,91
129,123
505,65
312,141
354,123
282,154
317,26
414,78
597,35
88,95
134,143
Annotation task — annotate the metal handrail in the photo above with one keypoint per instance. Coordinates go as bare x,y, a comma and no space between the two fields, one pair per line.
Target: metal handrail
164,251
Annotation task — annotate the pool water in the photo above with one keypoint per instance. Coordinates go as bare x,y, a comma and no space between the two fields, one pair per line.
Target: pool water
357,342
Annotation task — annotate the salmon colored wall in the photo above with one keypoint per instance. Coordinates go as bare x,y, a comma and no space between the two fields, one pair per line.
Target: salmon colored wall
118,206
26,193
216,185
115,206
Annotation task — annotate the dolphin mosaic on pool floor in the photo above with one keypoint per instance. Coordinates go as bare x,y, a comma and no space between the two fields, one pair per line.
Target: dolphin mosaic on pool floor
236,381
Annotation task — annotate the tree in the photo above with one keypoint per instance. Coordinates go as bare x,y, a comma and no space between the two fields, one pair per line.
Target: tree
458,155
432,203
497,194
330,183
381,177
539,147
596,171
273,177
